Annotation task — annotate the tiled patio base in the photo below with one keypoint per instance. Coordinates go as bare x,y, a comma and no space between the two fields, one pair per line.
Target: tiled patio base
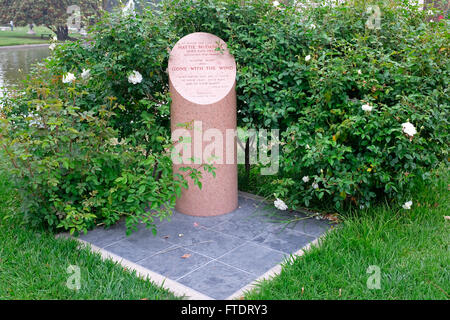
211,257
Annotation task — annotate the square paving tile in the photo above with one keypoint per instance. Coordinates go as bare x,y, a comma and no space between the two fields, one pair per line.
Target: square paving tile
170,262
138,246
284,240
209,243
310,226
245,230
258,212
101,237
172,231
217,280
253,258
200,221
249,209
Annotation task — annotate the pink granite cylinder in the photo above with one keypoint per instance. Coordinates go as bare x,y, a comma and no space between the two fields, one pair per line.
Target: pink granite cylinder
202,76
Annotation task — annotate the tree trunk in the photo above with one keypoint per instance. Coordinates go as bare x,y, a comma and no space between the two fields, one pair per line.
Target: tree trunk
62,33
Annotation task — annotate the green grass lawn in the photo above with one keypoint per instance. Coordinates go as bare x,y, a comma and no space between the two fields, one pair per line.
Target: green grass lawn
19,36
33,265
410,247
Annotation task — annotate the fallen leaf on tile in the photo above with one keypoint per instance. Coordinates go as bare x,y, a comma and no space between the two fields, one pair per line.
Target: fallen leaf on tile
195,224
166,237
186,255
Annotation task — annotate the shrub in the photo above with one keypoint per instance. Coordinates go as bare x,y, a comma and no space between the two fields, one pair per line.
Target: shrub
74,171
309,72
400,73
119,46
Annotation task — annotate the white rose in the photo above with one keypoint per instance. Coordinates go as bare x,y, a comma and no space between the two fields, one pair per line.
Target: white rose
315,185
86,74
407,205
366,107
276,3
409,129
359,71
280,205
305,179
52,46
307,58
135,77
69,77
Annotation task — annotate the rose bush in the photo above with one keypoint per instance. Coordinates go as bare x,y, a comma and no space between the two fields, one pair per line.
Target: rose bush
83,154
361,110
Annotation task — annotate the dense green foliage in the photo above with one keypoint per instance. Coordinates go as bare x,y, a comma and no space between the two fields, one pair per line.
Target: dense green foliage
339,91
73,169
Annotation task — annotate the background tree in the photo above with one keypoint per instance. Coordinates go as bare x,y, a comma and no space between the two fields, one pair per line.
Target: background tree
6,13
51,13
442,7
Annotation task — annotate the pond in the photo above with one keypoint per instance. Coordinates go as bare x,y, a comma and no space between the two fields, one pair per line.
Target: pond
15,64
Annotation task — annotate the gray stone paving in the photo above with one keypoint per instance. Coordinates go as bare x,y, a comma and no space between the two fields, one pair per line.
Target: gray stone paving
225,253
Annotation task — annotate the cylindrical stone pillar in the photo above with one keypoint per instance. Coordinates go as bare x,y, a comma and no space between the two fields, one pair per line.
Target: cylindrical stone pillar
202,76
